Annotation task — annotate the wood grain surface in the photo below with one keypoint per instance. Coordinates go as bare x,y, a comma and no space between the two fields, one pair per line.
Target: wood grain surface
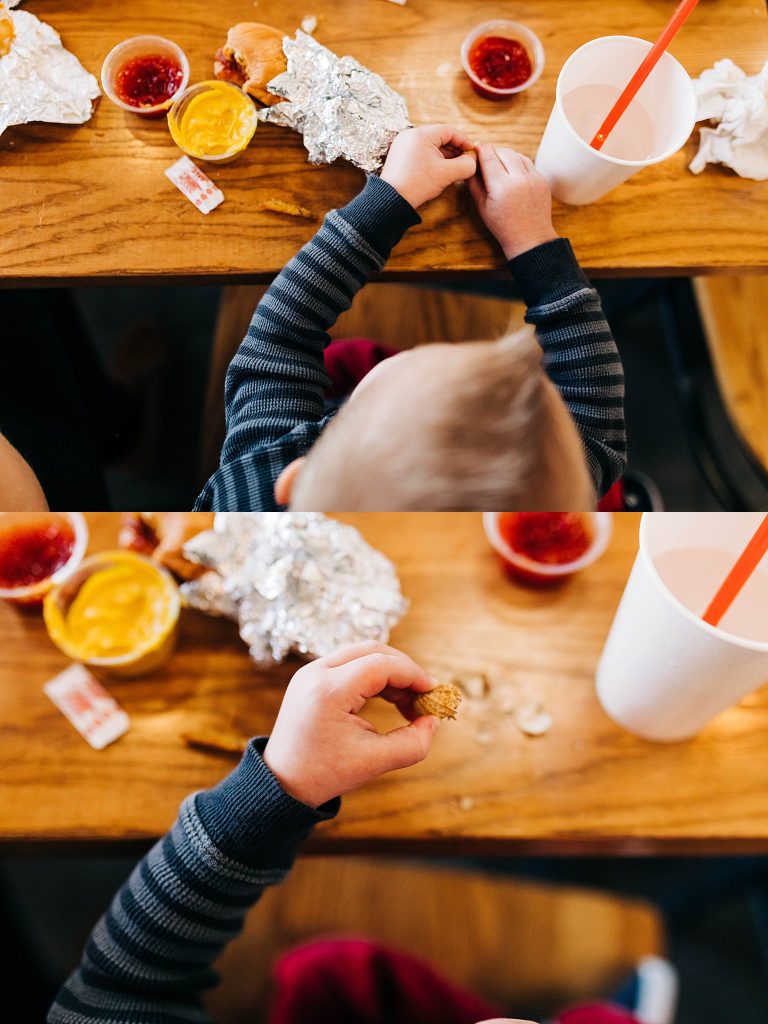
91,203
587,786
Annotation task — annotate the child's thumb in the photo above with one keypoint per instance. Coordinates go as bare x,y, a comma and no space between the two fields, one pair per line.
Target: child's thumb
408,745
462,167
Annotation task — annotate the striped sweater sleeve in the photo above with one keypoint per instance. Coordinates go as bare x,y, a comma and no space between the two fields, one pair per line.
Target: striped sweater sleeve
149,958
580,354
275,385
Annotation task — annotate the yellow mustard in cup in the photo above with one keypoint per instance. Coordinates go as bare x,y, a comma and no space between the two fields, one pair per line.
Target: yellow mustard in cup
119,612
213,121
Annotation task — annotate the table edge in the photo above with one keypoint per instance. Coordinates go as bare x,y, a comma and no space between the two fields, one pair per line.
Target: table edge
455,846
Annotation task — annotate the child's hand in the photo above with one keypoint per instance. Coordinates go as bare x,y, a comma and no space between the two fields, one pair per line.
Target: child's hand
513,199
423,162
321,747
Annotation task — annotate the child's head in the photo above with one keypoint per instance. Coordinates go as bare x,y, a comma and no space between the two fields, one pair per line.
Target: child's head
473,426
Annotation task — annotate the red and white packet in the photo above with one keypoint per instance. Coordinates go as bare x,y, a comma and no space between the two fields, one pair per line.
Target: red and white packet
82,700
196,186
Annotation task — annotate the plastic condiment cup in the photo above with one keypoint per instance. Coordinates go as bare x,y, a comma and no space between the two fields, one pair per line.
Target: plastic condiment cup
664,672
531,571
131,49
579,174
507,30
35,592
144,658
240,101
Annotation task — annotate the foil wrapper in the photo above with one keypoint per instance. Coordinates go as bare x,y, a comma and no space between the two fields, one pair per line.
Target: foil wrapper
294,582
40,80
340,107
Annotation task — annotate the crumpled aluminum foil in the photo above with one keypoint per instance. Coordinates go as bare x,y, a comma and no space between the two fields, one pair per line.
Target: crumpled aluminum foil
40,80
340,107
295,582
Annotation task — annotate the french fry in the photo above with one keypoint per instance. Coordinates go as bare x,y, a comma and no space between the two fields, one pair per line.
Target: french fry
217,741
280,206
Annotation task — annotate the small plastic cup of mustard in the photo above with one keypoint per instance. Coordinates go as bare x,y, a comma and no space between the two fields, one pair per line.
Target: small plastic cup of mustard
213,121
118,613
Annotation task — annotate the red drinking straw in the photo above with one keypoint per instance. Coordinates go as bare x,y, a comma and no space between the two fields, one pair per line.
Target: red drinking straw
653,57
747,562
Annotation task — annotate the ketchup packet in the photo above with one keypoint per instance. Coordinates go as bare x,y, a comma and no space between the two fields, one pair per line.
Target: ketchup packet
196,186
82,700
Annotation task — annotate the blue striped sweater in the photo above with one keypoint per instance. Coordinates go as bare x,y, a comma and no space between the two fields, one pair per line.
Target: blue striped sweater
274,396
149,958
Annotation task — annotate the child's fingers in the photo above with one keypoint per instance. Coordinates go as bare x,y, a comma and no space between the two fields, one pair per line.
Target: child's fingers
461,168
448,135
405,746
402,700
491,167
477,190
349,652
513,161
368,676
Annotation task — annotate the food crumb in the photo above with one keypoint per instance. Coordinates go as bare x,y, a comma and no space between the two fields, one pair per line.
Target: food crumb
466,803
309,23
483,738
532,720
475,685
444,69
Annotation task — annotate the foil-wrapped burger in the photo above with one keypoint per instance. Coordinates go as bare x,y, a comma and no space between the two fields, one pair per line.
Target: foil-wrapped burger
294,582
341,108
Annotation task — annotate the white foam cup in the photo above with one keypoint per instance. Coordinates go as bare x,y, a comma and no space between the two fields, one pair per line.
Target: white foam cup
579,174
664,672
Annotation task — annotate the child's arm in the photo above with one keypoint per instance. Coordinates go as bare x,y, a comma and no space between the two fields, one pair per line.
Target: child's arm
276,381
580,354
20,490
149,958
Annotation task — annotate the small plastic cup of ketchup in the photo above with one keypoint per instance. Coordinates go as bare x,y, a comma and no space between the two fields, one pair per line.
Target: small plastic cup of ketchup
502,58
547,547
37,552
144,74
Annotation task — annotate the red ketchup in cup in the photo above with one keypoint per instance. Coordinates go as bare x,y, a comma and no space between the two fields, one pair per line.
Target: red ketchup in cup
36,550
547,547
150,81
502,58
499,62
144,74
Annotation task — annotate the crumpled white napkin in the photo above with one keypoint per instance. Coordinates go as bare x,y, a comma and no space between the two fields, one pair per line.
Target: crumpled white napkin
739,102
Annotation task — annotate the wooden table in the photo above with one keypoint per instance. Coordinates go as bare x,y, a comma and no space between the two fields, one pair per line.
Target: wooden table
91,204
585,787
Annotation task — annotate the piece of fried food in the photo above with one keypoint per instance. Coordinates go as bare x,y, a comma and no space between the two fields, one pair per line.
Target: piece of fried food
216,740
7,30
251,57
442,702
280,206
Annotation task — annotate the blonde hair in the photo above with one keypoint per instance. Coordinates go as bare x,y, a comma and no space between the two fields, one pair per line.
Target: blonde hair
470,427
